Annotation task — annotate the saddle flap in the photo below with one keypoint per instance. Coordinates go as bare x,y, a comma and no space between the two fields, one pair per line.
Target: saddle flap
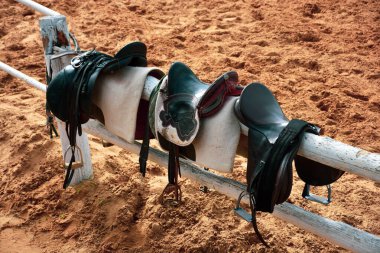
183,99
176,118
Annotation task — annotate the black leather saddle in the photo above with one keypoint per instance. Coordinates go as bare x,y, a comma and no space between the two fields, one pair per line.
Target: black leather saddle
273,142
186,99
176,106
69,93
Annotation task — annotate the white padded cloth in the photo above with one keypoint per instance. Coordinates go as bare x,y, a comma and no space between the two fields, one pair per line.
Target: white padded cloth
118,95
218,138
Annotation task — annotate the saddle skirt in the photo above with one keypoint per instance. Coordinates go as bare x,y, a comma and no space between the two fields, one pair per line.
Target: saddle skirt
118,96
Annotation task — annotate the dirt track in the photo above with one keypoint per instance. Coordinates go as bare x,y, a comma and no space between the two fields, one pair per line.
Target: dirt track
320,58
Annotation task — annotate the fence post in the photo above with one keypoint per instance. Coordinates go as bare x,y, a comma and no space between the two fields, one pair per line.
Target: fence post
54,34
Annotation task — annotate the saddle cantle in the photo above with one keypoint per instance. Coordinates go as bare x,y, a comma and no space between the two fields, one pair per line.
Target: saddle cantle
273,142
177,105
69,93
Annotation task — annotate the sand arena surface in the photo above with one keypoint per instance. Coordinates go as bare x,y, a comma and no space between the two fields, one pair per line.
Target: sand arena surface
320,58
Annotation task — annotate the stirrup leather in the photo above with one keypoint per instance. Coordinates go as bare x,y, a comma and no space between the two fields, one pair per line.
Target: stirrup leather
249,217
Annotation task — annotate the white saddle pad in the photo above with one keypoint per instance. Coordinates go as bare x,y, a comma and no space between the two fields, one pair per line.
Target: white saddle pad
118,96
217,140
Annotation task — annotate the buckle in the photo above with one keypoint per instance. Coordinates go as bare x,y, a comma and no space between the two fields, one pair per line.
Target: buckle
315,198
78,60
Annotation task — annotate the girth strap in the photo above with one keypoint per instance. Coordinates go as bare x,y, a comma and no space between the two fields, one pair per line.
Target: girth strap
144,150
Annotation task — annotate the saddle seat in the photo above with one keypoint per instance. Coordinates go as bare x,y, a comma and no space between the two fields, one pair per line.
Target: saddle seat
259,109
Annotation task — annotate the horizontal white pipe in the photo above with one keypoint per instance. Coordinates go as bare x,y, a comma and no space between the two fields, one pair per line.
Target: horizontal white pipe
30,80
338,155
38,7
338,233
342,156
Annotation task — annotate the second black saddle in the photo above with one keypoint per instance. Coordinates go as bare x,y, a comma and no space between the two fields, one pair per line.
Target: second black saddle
273,143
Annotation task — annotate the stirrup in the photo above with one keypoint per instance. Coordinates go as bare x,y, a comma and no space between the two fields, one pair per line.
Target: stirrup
106,144
315,198
71,166
164,198
76,164
240,211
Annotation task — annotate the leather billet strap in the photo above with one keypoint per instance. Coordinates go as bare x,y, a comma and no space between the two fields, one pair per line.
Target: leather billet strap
252,206
249,218
49,115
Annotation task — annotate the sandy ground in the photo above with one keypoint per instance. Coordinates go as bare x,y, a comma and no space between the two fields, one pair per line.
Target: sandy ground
320,58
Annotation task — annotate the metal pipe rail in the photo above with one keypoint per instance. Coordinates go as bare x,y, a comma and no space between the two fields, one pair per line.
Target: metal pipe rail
336,232
38,7
30,80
